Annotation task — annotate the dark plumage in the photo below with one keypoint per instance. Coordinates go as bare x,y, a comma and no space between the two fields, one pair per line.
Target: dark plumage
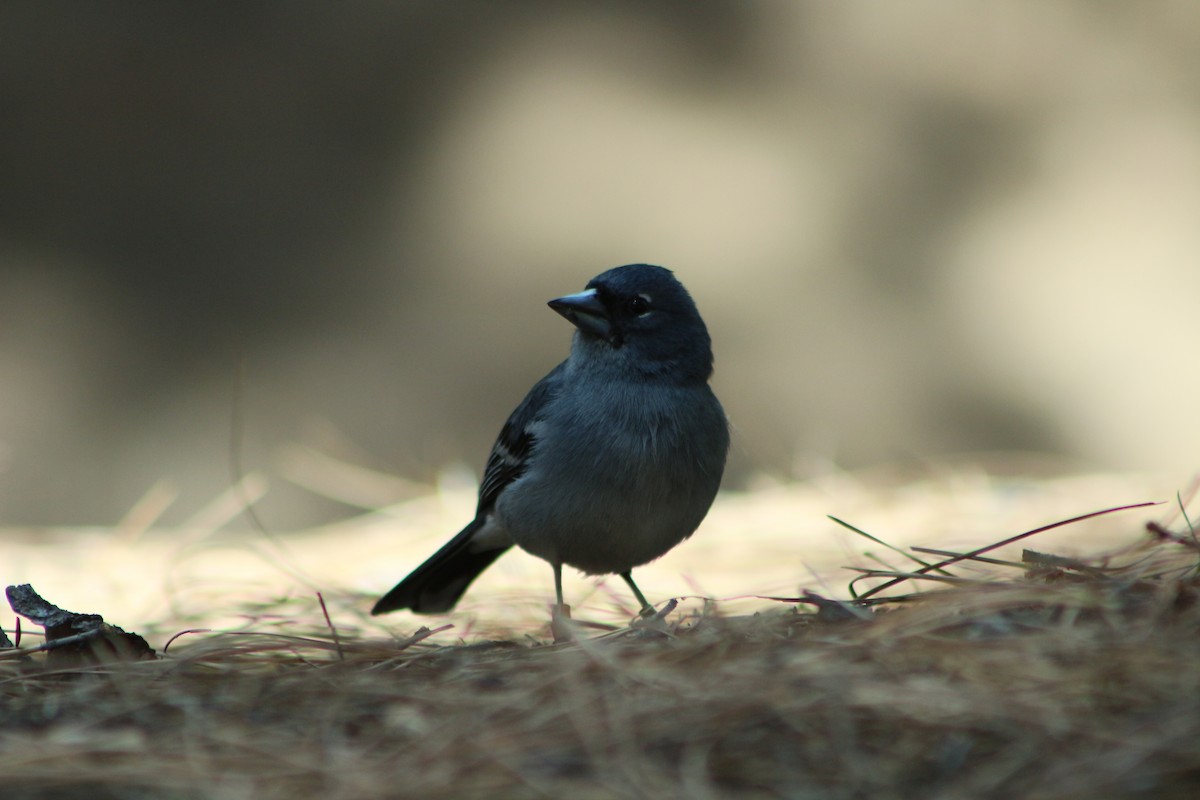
611,460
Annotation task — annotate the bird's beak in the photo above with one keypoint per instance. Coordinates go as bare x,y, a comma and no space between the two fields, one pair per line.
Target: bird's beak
585,311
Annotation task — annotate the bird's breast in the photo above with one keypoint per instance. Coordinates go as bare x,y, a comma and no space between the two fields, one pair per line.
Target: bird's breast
618,476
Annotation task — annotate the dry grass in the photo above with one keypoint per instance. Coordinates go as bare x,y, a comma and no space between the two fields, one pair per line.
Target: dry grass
1053,679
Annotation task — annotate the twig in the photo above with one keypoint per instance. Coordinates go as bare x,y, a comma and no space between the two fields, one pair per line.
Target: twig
1002,543
337,640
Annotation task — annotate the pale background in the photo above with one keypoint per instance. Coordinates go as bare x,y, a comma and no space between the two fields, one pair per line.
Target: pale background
914,229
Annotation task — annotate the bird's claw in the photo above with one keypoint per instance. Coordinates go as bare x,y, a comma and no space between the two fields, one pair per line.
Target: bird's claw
652,619
560,624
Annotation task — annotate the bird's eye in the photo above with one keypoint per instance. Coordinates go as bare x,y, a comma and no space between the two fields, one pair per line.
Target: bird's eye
638,305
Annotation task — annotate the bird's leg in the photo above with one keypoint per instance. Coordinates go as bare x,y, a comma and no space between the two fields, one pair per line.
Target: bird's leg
560,618
647,609
558,587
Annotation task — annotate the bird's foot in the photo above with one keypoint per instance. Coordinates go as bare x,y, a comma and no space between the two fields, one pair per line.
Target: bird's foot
654,620
561,625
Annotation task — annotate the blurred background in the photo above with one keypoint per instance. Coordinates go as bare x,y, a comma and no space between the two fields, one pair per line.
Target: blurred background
914,230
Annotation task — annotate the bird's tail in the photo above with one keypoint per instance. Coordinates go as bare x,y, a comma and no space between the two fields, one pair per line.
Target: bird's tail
436,585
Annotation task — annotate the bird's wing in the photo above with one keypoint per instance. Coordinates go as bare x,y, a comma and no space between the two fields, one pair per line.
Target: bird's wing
514,446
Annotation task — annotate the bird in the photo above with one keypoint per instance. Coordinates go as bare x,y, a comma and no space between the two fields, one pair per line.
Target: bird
612,458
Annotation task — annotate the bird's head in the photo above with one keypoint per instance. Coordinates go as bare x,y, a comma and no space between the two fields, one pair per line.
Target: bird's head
641,317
